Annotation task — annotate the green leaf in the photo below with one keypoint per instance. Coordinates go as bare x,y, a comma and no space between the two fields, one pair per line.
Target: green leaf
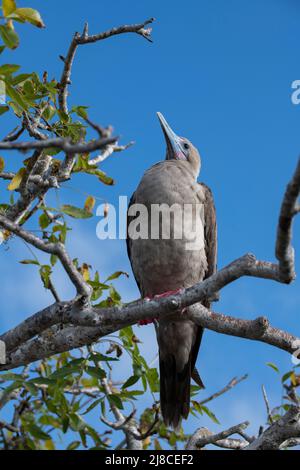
37,432
8,6
116,275
89,204
75,212
44,220
273,366
17,179
3,109
115,400
49,112
20,78
16,109
45,272
209,413
96,372
30,261
16,97
64,371
101,357
92,406
76,422
2,164
42,381
2,49
101,176
28,88
73,445
31,16
53,260
32,389
153,380
114,295
10,376
7,69
172,438
131,381
9,36
80,110
286,376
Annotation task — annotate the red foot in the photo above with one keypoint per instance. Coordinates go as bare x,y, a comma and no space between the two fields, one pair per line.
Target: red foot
157,296
168,292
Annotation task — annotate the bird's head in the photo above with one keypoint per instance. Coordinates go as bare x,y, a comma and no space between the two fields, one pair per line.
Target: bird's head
180,148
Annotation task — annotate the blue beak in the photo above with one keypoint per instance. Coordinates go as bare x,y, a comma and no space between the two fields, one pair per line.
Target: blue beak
174,143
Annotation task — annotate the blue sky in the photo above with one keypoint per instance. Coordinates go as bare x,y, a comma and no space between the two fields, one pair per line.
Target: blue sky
221,73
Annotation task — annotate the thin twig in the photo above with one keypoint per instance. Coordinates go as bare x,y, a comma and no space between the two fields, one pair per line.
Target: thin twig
270,417
233,382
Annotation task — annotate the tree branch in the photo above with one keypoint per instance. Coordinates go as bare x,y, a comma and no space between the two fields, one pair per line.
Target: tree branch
289,208
127,425
61,143
285,428
233,382
203,437
84,38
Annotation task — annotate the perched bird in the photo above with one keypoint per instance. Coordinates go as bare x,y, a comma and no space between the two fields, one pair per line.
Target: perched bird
163,262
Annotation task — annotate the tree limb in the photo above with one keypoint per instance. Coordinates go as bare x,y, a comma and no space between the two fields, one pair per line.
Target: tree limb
203,437
84,38
61,143
285,428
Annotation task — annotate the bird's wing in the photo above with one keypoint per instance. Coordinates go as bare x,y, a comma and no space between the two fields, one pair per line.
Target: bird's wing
129,242
210,231
210,240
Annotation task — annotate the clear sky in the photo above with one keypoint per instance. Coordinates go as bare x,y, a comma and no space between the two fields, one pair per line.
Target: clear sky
221,73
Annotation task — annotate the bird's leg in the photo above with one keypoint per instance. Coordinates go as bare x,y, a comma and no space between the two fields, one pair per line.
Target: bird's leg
168,292
158,296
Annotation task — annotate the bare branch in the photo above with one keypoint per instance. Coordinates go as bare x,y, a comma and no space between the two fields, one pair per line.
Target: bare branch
7,175
110,320
110,149
32,128
285,428
61,143
284,250
84,38
127,425
270,417
203,436
14,134
292,442
9,427
233,382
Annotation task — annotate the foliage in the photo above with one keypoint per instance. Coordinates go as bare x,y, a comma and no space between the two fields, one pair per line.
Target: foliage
62,395
64,401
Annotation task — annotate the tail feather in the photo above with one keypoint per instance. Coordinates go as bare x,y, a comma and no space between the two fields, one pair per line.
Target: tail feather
177,357
174,391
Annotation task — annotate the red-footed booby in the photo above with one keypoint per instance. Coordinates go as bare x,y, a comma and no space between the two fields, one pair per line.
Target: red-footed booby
171,258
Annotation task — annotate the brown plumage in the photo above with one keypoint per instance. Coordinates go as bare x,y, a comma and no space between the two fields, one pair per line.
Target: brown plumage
163,264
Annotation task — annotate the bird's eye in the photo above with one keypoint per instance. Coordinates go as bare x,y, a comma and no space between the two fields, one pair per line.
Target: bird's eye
186,146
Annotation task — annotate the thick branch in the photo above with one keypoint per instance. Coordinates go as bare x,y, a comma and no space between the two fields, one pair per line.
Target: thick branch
21,352
61,143
289,208
282,430
203,437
